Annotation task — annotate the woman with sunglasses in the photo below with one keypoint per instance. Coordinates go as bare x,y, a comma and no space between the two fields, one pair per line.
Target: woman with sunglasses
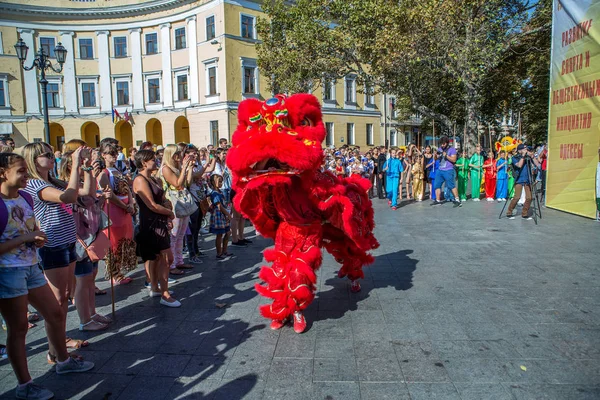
53,206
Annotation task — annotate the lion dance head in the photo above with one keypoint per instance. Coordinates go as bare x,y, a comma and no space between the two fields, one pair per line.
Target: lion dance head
276,140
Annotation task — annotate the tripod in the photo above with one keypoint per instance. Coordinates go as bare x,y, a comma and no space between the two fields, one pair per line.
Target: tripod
535,200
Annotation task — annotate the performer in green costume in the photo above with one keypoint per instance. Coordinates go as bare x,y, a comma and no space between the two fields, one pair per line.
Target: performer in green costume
511,180
462,166
476,164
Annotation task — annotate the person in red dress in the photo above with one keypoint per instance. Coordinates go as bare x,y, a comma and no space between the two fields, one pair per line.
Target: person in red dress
489,168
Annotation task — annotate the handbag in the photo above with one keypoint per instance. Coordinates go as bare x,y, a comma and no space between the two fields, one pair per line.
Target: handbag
98,249
182,202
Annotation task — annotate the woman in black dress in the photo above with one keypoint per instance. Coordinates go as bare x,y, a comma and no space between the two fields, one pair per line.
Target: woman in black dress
153,240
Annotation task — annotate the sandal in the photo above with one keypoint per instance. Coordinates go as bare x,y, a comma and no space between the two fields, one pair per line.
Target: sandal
185,266
101,318
176,271
99,292
92,326
51,358
122,280
32,317
76,343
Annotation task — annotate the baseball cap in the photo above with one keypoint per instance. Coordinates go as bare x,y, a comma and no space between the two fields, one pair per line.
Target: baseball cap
520,147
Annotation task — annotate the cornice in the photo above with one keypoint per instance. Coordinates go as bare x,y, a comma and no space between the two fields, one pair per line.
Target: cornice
92,13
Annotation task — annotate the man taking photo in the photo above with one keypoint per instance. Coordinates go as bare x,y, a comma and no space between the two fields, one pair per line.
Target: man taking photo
522,176
446,172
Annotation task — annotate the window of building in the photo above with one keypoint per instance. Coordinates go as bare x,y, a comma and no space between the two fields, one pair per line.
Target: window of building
393,138
214,133
212,81
154,90
1,45
369,95
329,139
120,43
48,44
122,93
350,133
152,43
249,80
350,90
182,87
369,134
247,28
210,28
180,38
88,94
3,101
86,49
53,95
329,90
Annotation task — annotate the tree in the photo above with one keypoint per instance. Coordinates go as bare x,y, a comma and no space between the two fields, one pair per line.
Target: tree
445,57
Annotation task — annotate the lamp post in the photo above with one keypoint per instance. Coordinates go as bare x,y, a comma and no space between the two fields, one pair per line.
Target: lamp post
42,62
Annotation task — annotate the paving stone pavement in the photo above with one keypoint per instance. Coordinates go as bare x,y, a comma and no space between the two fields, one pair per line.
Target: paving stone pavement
458,305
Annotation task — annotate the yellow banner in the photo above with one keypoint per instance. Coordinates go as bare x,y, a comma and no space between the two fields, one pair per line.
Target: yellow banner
574,120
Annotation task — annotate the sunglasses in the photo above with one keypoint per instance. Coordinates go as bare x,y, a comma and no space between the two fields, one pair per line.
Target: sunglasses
48,155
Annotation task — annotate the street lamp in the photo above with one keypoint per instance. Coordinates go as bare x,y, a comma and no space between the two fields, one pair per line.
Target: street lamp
42,62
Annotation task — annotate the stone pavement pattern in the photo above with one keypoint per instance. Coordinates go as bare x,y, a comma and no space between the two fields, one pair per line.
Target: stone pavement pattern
458,305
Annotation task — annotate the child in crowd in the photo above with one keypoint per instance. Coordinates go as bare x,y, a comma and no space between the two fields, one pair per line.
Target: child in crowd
339,167
462,165
22,280
501,177
417,178
489,166
393,169
220,217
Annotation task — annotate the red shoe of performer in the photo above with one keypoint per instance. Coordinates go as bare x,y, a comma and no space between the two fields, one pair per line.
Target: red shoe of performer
355,286
389,202
299,322
278,324
341,274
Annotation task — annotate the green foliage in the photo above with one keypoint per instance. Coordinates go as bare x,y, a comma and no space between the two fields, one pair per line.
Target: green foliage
451,60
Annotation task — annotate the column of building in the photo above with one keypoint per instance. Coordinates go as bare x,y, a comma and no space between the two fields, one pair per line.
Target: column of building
167,75
32,97
69,81
137,81
193,59
104,71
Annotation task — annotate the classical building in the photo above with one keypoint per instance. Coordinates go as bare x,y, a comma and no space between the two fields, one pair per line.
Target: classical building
159,70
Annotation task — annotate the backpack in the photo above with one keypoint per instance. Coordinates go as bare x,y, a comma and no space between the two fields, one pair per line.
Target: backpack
4,209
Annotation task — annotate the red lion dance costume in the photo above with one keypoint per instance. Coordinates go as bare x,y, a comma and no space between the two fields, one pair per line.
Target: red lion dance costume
276,163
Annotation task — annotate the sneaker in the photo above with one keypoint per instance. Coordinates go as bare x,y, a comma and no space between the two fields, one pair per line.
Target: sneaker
147,284
92,326
278,324
436,203
355,286
510,216
196,260
394,208
457,203
204,231
33,391
247,241
73,365
389,202
172,304
299,322
527,218
499,200
170,280
201,254
476,199
239,243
